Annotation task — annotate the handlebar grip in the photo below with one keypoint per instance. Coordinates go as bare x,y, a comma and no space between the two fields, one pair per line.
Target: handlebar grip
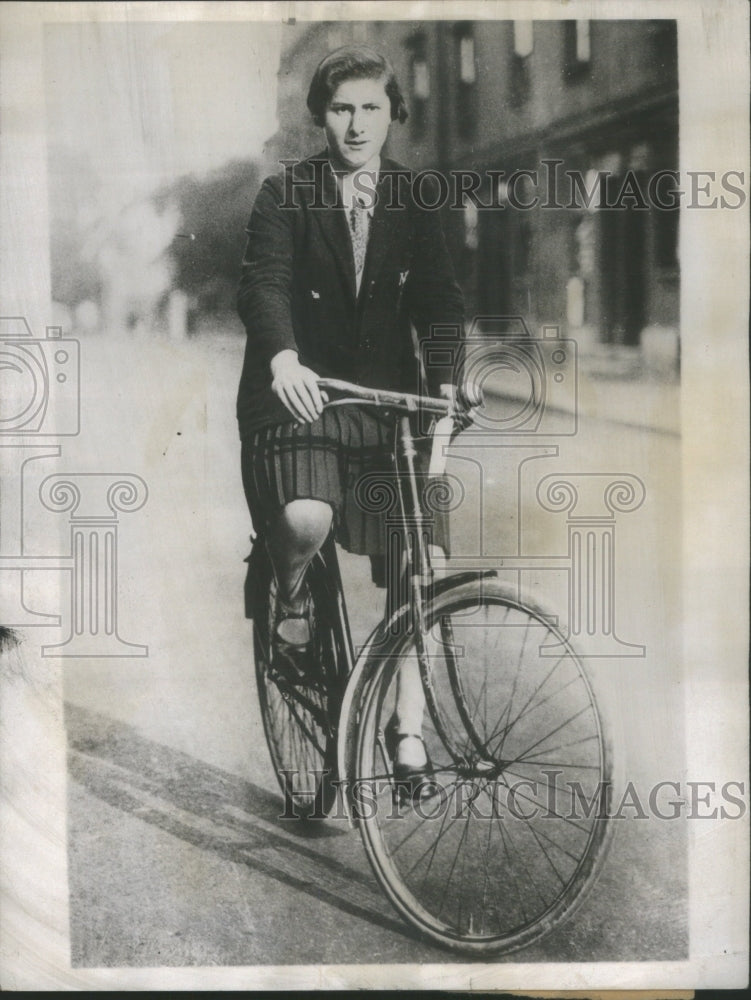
469,395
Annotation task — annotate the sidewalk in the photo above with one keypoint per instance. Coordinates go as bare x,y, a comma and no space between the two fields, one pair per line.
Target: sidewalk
612,388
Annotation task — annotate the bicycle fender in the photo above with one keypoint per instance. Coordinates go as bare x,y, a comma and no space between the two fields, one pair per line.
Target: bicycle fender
363,672
349,715
256,578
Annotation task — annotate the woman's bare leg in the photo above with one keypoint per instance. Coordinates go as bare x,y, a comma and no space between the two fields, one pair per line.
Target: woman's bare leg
409,711
293,539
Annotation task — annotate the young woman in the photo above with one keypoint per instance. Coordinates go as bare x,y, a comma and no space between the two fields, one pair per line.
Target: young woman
342,263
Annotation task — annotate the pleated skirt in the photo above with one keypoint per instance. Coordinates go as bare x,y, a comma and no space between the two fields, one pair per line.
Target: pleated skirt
344,459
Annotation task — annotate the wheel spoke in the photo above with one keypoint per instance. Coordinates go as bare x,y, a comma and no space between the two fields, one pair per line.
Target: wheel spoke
431,849
504,713
528,707
547,736
297,716
453,863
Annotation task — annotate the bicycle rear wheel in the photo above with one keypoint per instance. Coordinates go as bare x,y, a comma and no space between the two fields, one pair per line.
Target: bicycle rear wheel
514,826
300,713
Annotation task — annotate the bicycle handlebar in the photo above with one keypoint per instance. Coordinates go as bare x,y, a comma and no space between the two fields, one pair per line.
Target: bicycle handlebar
468,396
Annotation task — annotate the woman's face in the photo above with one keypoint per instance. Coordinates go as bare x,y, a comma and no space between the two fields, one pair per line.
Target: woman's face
357,122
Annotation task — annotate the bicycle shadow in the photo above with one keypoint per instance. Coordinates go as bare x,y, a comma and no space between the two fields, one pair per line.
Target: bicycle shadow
216,811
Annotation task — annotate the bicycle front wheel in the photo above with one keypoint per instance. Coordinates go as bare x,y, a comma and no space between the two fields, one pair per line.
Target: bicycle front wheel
501,843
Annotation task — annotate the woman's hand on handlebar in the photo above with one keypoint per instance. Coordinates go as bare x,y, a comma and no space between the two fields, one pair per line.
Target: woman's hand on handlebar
297,387
461,400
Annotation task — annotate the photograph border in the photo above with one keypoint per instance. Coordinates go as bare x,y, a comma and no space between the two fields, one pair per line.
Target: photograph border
714,257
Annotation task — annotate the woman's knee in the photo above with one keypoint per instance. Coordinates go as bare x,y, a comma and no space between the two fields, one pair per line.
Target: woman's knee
306,523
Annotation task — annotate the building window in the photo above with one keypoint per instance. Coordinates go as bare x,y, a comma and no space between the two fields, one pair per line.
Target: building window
577,48
466,78
582,52
524,42
524,38
419,81
467,72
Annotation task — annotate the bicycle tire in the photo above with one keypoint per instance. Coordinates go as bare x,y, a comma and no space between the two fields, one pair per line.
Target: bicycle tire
300,714
486,880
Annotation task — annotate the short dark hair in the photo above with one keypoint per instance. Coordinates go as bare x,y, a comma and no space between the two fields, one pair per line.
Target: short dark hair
353,62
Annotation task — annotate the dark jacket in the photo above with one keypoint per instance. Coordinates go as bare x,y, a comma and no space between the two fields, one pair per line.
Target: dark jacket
297,288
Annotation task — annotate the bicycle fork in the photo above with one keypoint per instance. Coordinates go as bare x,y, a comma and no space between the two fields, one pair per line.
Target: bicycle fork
473,757
420,587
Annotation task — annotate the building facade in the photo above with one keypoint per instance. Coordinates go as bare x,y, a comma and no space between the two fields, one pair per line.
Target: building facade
566,124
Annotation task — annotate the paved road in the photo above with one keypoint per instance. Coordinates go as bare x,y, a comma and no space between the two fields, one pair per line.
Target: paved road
177,854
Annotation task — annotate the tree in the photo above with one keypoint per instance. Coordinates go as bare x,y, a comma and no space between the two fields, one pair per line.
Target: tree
208,248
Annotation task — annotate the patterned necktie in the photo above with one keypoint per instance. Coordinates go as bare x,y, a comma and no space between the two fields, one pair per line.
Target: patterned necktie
358,225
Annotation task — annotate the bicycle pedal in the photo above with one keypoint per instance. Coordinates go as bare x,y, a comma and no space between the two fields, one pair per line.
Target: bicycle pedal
406,793
293,681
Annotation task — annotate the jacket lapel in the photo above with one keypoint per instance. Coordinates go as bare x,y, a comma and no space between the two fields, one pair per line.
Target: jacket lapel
383,228
332,223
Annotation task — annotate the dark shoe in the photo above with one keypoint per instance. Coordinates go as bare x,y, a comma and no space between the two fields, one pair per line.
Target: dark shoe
411,782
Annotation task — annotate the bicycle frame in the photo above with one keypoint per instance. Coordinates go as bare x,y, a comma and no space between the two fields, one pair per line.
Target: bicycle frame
478,698
417,566
421,579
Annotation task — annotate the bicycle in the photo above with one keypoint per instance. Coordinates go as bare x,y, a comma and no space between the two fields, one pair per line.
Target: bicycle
493,852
